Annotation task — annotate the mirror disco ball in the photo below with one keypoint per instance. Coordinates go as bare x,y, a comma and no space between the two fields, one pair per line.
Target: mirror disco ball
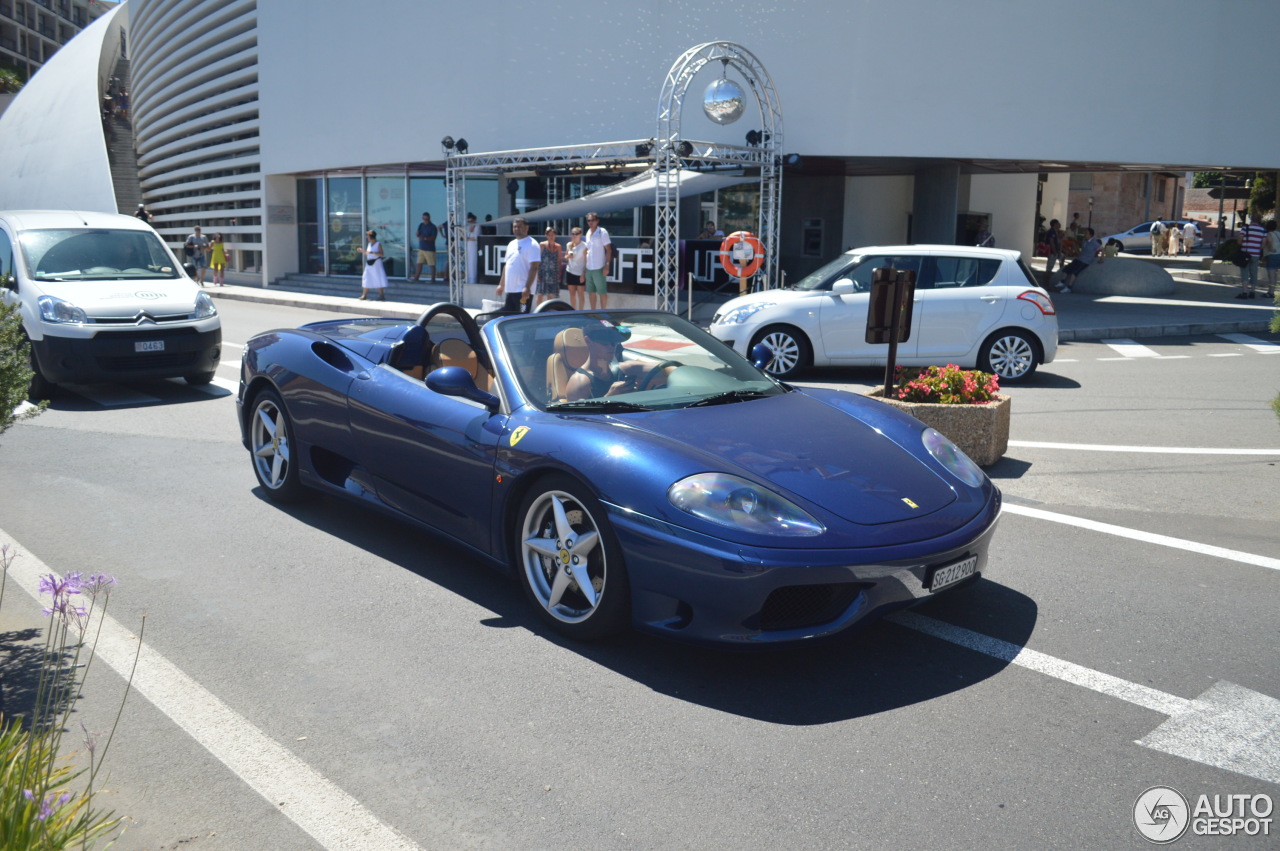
723,101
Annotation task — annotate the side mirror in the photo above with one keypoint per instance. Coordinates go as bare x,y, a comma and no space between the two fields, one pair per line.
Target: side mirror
761,355
456,381
844,285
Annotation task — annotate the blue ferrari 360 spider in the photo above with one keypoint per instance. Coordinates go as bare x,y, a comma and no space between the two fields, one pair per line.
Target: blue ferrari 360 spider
627,467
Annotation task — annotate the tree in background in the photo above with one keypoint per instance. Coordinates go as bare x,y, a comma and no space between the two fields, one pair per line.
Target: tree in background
10,79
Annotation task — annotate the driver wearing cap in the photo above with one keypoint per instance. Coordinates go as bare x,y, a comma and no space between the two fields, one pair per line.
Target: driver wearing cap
603,374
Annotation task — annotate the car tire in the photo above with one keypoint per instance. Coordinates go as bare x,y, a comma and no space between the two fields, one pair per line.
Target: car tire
563,544
792,352
40,388
1011,355
271,449
200,378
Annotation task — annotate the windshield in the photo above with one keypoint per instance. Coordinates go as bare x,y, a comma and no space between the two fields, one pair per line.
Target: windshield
619,361
90,254
822,278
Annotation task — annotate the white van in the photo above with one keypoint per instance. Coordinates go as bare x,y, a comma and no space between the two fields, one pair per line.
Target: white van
103,298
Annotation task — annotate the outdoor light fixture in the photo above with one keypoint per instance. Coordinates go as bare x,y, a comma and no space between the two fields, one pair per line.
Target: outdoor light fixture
644,149
792,160
447,143
753,138
684,148
461,145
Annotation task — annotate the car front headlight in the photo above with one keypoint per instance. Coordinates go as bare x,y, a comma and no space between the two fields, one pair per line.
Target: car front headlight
60,311
204,307
950,456
739,504
738,315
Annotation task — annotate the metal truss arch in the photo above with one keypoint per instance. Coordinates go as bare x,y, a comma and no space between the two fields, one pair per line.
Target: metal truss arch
675,153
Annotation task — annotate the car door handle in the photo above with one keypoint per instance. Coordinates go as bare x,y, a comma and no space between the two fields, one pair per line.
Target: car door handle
989,298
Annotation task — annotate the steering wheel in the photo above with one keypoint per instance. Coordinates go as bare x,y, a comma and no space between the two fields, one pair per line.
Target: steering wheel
643,383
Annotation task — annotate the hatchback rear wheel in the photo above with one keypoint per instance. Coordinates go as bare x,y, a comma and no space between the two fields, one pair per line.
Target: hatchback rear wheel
1012,355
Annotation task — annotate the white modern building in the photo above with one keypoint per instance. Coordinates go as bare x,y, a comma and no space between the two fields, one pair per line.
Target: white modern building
291,128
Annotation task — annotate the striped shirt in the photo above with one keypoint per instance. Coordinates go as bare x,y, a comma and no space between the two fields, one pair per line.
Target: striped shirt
1251,237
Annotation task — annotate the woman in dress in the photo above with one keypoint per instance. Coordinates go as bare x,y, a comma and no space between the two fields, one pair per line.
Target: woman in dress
217,259
1173,249
375,276
551,268
575,268
473,247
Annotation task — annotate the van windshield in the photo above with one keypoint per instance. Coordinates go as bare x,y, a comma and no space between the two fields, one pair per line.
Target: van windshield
95,254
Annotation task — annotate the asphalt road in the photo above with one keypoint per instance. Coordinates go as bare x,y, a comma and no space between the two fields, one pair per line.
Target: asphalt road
322,677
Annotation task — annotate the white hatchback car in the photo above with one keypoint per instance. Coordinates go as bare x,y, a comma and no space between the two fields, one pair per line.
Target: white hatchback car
975,307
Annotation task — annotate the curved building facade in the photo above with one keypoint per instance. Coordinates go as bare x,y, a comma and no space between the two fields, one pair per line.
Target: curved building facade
292,129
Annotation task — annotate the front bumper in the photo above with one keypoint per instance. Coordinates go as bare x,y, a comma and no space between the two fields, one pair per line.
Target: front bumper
693,587
115,355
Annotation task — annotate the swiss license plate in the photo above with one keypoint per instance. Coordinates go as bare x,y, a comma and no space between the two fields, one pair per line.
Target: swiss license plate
148,346
949,574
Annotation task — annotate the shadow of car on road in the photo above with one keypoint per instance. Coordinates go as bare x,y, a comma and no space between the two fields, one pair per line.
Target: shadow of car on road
877,668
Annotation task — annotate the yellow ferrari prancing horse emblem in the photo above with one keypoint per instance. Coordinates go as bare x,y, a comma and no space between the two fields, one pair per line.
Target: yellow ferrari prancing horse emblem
518,433
904,499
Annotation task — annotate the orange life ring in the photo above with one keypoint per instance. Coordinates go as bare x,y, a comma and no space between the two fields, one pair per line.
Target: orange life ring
752,266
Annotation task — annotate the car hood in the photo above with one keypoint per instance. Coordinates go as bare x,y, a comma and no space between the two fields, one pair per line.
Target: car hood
767,297
835,461
125,298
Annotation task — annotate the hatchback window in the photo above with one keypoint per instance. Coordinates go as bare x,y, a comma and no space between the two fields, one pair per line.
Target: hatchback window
951,272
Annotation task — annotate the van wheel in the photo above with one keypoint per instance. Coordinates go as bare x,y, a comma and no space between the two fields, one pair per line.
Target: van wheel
40,388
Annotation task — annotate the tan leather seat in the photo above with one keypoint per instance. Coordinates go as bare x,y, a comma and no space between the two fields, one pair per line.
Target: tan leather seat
568,353
459,353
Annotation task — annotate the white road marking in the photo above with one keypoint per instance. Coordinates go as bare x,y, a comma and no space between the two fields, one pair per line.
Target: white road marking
1228,727
300,793
1145,537
1159,450
1131,348
1227,355
1264,346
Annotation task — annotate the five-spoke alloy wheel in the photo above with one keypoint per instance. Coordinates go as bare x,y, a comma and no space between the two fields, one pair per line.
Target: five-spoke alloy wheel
269,435
568,561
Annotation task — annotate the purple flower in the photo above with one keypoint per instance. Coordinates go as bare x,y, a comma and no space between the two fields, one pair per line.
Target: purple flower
49,805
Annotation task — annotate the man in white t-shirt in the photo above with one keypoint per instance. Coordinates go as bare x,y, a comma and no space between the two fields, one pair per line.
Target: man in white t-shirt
520,265
1189,236
599,255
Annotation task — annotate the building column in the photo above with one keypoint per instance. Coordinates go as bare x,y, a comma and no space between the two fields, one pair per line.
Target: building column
935,204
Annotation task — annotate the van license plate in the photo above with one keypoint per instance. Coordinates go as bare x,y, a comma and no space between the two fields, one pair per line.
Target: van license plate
149,346
950,574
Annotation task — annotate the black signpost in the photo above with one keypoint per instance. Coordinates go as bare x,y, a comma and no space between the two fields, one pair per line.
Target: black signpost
889,314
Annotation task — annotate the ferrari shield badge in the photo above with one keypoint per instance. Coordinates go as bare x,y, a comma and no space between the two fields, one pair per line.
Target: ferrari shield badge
907,500
518,433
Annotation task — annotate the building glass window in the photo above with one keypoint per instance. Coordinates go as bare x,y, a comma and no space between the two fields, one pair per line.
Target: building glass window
345,225
310,226
385,213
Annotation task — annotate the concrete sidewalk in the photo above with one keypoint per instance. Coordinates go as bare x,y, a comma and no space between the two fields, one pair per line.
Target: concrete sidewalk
1194,307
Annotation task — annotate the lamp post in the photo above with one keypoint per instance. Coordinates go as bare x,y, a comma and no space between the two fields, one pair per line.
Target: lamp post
1090,211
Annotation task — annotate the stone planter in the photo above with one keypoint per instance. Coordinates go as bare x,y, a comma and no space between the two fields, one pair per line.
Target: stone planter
981,431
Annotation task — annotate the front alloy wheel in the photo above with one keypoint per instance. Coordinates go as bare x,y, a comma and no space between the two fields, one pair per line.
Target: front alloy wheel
569,564
273,462
791,351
